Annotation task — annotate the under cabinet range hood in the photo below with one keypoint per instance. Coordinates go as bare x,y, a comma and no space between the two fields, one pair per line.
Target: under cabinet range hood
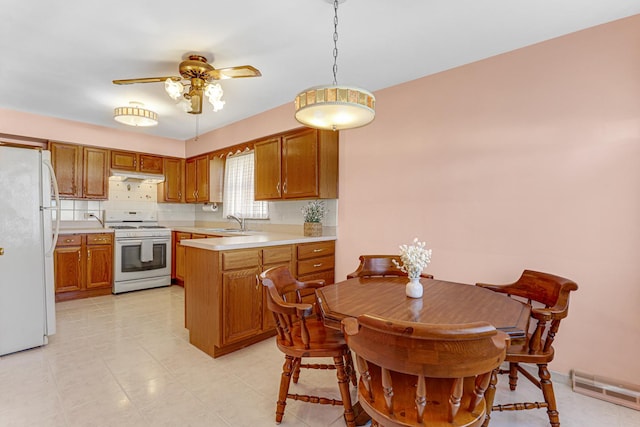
149,178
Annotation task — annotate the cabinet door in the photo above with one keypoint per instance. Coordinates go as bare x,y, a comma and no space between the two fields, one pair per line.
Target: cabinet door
124,160
300,164
68,268
191,181
268,169
202,179
150,164
95,174
241,305
99,266
179,254
67,163
172,189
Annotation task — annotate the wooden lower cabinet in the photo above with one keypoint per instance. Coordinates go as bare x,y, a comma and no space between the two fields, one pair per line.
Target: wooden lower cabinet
83,265
224,300
316,261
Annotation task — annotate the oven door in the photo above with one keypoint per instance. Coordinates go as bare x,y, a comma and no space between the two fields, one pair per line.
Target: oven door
129,255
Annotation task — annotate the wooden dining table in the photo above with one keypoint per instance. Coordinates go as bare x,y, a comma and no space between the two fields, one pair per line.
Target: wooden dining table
442,302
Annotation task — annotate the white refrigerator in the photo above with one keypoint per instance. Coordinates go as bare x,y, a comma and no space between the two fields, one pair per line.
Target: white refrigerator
27,239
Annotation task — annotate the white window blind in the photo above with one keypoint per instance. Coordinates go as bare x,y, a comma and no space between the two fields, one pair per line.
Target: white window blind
238,196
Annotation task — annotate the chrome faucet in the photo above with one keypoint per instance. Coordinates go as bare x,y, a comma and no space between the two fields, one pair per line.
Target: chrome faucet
99,220
239,219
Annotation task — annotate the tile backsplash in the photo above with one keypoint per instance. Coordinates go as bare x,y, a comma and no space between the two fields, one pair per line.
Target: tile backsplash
141,196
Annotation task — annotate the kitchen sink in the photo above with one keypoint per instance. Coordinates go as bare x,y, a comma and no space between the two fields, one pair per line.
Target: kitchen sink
224,230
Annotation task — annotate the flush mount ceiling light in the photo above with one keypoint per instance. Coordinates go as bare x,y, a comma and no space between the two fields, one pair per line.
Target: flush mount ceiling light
196,82
335,107
135,115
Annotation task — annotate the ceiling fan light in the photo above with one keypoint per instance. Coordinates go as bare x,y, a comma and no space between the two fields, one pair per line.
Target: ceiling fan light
335,107
135,115
214,94
174,89
185,105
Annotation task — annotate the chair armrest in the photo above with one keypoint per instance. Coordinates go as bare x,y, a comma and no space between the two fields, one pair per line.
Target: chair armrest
313,284
541,313
494,288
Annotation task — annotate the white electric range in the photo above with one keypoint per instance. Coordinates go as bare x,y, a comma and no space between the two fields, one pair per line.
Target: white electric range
142,255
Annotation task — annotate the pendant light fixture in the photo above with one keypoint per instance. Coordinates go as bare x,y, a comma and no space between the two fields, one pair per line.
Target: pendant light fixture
334,106
135,115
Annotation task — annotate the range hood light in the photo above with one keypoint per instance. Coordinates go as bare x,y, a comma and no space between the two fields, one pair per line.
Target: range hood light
147,178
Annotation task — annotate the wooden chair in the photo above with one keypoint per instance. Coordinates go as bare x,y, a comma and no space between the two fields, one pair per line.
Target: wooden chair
301,333
380,265
549,297
417,374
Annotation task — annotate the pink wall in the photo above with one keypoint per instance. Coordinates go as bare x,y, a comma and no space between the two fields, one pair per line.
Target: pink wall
526,160
50,128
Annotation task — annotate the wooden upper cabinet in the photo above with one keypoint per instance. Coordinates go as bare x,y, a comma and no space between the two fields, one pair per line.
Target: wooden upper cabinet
268,169
197,179
301,164
172,189
95,173
81,172
137,162
67,164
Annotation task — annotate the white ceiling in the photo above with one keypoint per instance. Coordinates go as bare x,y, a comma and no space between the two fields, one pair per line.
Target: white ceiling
59,57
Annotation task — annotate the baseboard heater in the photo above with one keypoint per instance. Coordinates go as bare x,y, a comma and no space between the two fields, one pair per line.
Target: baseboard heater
614,391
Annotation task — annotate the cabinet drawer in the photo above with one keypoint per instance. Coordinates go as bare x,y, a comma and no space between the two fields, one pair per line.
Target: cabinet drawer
69,240
99,239
276,255
316,264
233,260
182,236
317,249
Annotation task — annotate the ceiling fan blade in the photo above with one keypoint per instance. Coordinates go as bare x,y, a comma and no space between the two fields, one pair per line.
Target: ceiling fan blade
234,72
146,80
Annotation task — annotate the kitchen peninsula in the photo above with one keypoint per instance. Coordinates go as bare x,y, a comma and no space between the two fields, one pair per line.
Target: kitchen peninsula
224,302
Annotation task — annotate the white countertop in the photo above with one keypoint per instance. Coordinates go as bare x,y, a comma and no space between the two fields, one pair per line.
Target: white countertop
85,230
250,239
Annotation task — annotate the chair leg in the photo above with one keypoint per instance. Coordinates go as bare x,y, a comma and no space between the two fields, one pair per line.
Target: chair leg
513,376
350,368
296,369
549,395
489,396
285,380
343,385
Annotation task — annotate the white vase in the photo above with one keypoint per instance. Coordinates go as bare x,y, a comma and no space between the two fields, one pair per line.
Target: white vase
414,288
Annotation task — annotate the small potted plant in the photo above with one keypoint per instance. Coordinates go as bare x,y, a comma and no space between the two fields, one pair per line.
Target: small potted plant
313,213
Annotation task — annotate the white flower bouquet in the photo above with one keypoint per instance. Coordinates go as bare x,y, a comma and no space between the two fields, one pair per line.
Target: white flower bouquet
414,258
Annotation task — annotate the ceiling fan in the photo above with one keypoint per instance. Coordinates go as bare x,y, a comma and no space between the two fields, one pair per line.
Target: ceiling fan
199,75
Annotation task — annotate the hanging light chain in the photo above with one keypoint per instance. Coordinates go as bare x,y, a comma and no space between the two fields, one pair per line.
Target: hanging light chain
335,42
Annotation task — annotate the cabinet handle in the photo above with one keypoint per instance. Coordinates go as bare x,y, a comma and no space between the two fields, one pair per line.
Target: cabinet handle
1,251
284,187
68,240
79,257
179,194
141,163
317,265
278,187
135,163
88,254
318,250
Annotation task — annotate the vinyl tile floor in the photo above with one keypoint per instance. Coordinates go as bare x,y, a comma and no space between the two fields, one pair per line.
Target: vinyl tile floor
125,360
